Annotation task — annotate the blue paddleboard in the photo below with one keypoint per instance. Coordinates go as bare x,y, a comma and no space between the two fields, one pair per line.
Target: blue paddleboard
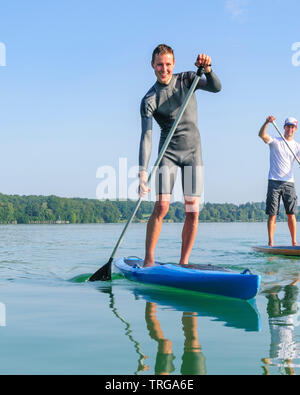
205,279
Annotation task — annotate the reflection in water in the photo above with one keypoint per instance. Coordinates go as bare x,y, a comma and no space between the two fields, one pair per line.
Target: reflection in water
193,361
164,357
282,311
128,332
233,313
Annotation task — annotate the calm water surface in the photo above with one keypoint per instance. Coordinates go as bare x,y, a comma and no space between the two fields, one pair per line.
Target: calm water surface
53,322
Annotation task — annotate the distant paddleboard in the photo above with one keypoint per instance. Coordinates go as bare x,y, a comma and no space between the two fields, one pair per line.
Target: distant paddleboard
279,250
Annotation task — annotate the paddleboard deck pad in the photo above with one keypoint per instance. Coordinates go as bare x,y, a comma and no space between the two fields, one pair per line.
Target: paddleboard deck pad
279,250
205,279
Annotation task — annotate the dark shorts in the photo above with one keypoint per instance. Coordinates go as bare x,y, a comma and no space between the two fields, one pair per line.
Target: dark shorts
191,180
284,190
191,173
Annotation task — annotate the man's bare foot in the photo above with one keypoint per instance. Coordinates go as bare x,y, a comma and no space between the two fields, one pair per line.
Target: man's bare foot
148,263
294,244
183,263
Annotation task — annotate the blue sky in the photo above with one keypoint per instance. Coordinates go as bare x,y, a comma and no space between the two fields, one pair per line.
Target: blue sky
76,71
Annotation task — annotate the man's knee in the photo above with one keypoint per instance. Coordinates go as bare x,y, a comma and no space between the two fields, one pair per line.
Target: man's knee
161,208
191,205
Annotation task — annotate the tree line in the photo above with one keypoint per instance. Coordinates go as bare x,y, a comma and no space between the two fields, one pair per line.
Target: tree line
16,209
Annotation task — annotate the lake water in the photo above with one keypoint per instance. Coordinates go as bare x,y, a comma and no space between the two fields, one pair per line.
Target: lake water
54,322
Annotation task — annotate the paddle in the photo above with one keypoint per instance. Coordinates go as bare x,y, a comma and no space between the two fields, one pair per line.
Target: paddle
280,134
104,273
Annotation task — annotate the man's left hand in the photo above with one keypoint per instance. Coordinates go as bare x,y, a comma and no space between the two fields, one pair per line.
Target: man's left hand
204,60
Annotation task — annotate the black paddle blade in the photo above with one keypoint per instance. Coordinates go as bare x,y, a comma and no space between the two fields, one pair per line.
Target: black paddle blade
104,273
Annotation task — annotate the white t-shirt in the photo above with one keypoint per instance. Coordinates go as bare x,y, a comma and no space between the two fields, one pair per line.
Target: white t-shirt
281,159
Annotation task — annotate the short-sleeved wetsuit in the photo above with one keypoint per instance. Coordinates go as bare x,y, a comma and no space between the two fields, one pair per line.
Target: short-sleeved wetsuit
162,102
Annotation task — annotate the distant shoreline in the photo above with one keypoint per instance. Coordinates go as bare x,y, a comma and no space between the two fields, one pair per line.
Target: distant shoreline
36,209
134,222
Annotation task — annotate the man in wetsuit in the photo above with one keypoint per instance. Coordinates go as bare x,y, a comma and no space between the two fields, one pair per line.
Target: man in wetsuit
163,102
281,178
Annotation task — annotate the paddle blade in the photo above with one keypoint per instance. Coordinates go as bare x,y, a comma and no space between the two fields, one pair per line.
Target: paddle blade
104,273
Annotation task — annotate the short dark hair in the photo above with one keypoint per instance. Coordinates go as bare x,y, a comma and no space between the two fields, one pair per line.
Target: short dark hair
162,49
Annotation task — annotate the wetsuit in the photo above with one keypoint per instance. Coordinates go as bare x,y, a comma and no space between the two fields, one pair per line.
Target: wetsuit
162,102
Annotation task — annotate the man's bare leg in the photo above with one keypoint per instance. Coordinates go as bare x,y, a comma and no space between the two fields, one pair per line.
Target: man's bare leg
190,228
161,209
292,224
271,229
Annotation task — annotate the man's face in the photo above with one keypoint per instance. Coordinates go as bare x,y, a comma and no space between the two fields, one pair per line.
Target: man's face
163,66
289,131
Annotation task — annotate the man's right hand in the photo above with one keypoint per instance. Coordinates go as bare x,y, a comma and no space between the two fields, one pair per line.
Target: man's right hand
143,188
263,130
270,119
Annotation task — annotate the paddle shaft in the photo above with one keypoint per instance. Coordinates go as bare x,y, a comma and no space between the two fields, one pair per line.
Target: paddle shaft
97,276
281,135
